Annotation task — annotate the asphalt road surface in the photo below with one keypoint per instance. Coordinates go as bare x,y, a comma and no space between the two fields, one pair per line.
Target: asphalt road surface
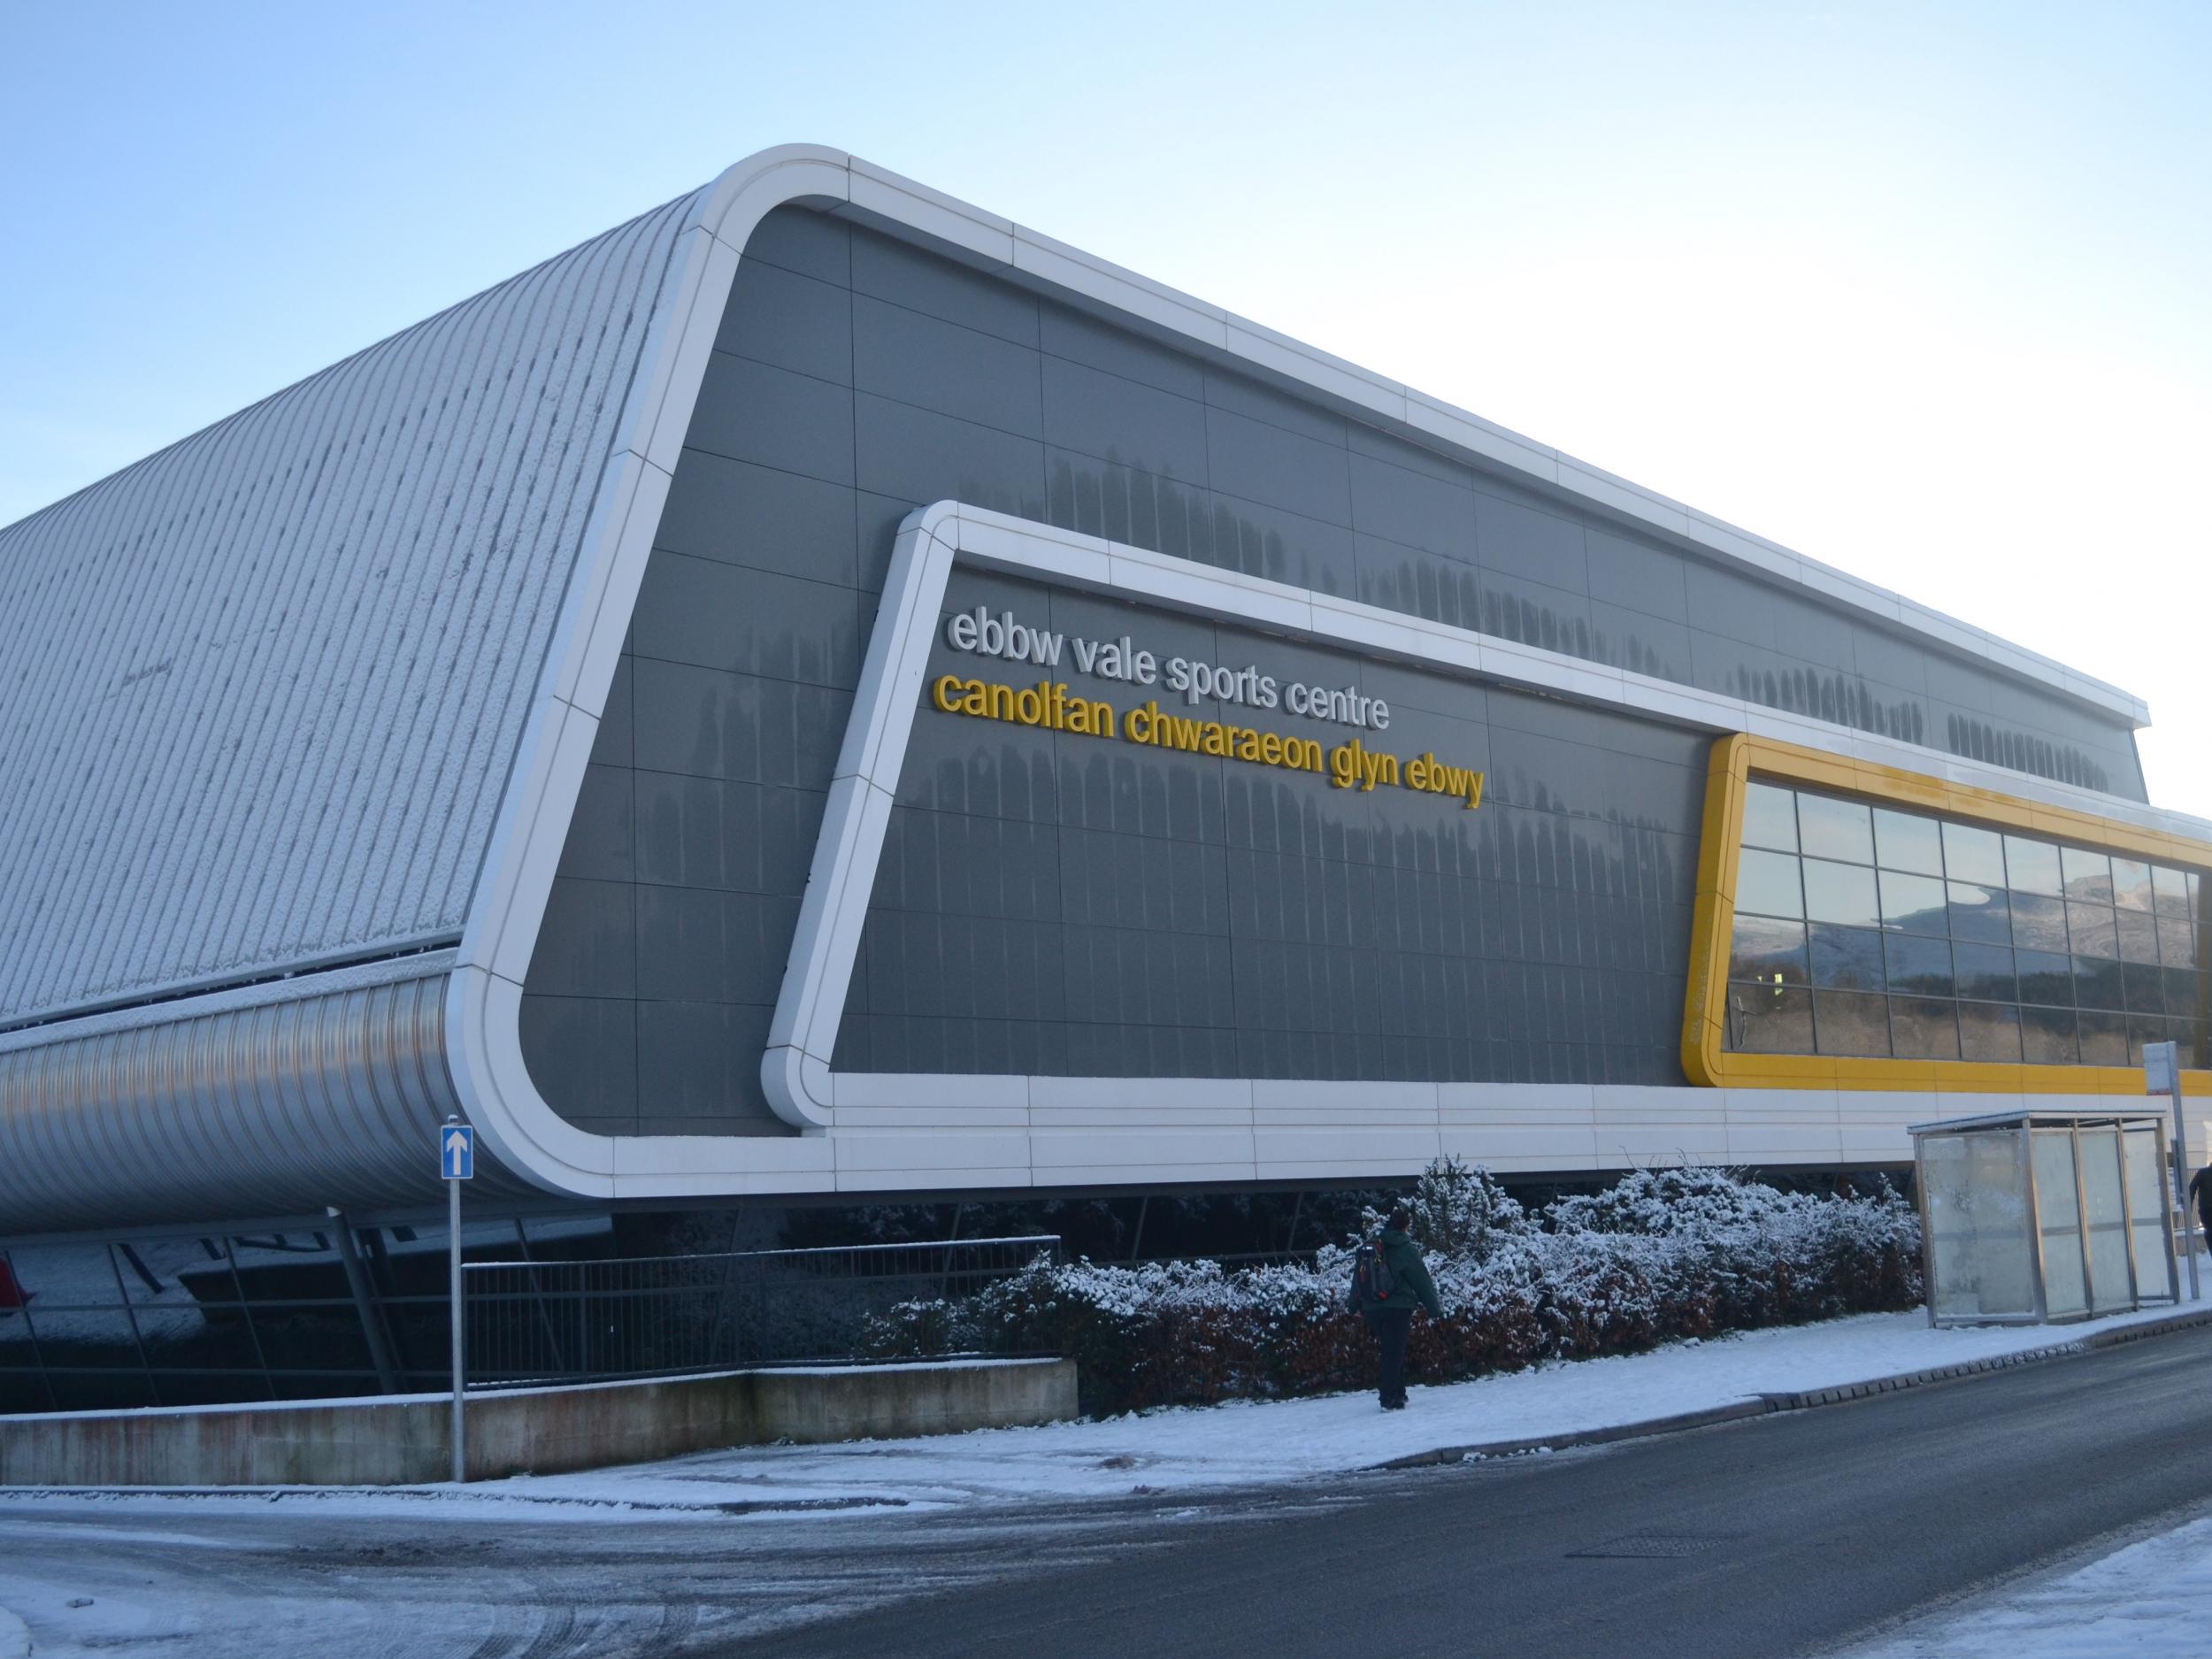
1781,1536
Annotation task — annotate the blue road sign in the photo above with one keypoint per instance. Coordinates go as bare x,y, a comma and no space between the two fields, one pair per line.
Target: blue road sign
457,1152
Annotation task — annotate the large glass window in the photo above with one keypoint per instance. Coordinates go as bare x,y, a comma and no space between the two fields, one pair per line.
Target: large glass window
1876,931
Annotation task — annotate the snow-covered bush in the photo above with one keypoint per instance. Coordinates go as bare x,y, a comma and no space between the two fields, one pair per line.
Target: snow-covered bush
1460,1210
1662,1254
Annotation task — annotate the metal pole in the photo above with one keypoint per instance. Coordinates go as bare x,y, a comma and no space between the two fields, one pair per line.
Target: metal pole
2181,1180
453,1295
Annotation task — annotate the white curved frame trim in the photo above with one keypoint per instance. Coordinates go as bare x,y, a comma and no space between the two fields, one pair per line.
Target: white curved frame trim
863,1134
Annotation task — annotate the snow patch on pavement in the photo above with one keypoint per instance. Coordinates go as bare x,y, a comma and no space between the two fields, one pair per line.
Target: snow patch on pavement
1242,1443
2150,1597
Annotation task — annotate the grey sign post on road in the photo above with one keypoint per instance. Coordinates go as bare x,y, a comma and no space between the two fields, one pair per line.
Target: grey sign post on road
2162,1075
456,1162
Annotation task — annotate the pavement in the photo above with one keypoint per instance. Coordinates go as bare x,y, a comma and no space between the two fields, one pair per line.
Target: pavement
1793,1533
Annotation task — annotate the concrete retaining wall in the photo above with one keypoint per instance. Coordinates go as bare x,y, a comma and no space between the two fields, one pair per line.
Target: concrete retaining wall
404,1439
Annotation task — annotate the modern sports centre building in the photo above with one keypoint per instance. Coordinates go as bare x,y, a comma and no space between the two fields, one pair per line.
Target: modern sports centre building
824,691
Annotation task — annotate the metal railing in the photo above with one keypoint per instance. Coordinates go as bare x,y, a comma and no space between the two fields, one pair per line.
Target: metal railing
575,1321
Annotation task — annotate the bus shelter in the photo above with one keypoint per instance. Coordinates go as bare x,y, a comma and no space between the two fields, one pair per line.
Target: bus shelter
2030,1217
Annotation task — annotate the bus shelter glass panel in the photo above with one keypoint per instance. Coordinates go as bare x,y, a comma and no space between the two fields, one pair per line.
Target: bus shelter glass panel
2111,1284
1976,1189
2058,1212
2144,1163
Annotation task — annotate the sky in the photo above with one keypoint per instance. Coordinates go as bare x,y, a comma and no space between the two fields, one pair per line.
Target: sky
1917,290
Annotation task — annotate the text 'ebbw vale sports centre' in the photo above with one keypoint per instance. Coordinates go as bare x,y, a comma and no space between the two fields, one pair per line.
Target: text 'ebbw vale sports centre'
821,690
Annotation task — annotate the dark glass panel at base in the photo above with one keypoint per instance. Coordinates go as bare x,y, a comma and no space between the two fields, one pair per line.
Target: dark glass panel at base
1848,958
2097,984
1851,1023
1989,1031
2144,1028
2104,1039
2185,992
1763,1020
2046,978
2144,988
1924,1028
2048,1036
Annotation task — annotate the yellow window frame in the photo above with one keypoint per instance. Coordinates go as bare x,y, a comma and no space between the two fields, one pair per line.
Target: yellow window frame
1734,761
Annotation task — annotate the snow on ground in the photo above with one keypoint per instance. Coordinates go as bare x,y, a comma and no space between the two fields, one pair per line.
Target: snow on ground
1253,1442
1236,1444
2150,1597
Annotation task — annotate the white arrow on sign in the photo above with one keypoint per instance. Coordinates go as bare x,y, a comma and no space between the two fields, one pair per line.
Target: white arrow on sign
457,1151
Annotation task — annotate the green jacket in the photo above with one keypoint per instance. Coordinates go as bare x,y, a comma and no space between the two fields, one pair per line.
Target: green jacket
1411,1274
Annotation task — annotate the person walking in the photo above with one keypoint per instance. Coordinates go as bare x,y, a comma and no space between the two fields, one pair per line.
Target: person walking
1388,1302
2200,1190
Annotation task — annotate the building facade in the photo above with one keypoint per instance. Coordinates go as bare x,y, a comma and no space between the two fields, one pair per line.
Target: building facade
822,690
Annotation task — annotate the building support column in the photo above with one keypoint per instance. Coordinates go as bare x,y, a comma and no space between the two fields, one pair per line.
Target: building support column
364,1304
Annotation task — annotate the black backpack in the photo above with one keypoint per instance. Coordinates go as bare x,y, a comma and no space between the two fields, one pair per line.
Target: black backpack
1372,1281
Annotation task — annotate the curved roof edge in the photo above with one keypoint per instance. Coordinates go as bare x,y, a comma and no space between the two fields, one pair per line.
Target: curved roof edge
1042,262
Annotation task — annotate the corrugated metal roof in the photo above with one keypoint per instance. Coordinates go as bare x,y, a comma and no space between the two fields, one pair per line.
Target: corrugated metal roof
259,692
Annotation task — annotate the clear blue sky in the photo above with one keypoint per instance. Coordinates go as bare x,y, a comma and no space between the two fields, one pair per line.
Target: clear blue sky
1920,291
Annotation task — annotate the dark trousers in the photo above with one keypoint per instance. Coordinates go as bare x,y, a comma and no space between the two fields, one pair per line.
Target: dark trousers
1390,1325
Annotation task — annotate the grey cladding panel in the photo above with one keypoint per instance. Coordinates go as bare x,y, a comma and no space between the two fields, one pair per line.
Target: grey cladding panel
264,687
1052,905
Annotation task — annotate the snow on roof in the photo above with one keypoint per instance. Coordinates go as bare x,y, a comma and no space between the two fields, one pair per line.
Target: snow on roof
259,693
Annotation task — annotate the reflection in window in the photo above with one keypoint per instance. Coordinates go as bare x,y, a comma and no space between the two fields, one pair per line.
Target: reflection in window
2104,1039
1849,959
1920,964
1985,972
1989,1031
1767,951
1835,829
2046,1036
1905,841
1841,893
2088,875
1878,930
1764,1020
1769,817
1766,885
2093,931
1973,855
1924,1028
2131,885
1851,1022
1980,912
1917,904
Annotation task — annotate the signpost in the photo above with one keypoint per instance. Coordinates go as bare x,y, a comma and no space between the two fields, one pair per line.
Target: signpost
456,1162
2162,1075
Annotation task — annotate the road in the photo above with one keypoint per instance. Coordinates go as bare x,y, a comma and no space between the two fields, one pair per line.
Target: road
1780,1536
